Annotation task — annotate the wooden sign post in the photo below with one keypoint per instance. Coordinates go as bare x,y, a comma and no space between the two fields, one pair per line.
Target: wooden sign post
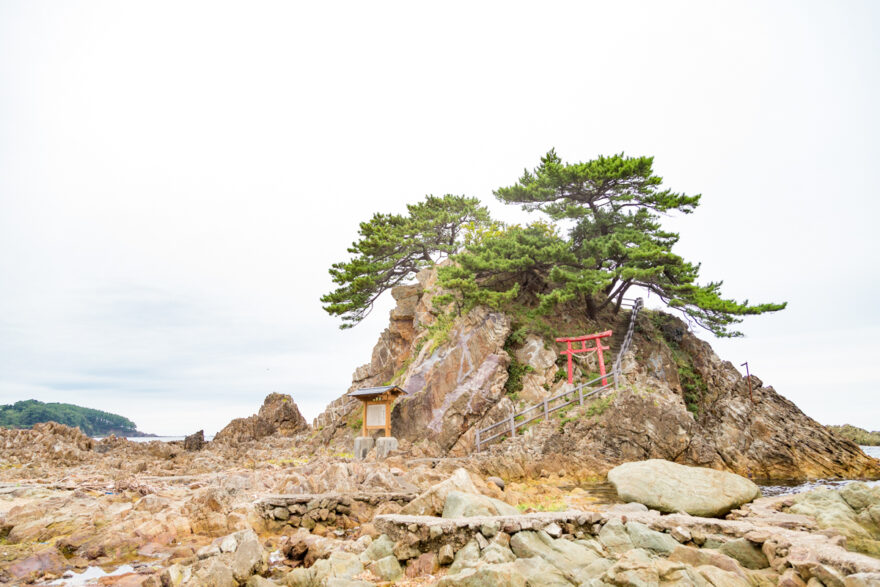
377,403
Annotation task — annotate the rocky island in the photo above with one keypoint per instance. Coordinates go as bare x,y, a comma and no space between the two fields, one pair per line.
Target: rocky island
514,464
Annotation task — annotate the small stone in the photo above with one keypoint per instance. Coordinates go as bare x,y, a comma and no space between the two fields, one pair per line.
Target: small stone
553,530
510,527
490,529
502,538
378,548
404,551
387,568
281,513
446,555
413,527
229,543
481,541
425,564
435,532
757,536
680,534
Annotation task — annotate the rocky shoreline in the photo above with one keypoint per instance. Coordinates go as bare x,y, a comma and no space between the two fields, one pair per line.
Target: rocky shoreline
270,512
272,500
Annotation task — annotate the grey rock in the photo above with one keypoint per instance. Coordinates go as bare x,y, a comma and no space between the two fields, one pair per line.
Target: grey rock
670,487
615,537
446,555
340,565
486,576
380,548
495,553
540,573
569,558
656,542
250,557
387,569
553,530
467,557
490,529
744,551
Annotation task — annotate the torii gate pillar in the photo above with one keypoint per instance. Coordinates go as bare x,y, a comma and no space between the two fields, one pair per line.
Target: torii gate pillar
570,351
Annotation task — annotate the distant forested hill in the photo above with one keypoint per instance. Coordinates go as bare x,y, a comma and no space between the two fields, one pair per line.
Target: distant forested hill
858,435
25,414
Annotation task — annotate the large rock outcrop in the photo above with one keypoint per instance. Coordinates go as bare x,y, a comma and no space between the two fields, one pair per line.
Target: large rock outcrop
278,415
681,403
677,401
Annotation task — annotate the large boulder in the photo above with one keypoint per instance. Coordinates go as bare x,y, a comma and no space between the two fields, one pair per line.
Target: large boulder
278,415
670,487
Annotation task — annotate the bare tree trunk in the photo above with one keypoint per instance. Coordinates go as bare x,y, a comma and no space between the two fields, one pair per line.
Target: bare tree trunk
591,307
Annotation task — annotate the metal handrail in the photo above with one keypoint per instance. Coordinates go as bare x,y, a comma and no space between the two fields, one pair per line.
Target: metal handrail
545,404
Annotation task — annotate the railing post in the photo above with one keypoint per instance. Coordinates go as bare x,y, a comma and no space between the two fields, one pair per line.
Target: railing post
478,440
581,396
512,427
546,411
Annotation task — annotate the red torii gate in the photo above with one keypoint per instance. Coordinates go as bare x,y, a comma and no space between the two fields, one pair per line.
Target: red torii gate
583,340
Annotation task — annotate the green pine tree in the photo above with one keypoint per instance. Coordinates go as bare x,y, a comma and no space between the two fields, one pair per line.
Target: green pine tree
392,248
614,204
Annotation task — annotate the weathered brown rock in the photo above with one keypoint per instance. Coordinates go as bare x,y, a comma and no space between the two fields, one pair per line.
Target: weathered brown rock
194,442
278,415
648,418
452,388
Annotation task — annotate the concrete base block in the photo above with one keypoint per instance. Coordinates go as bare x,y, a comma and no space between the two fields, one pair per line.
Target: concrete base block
385,445
363,445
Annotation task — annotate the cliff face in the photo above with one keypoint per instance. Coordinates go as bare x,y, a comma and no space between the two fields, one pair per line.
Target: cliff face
677,400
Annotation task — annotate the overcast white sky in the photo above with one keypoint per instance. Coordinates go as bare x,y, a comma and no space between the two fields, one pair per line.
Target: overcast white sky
176,177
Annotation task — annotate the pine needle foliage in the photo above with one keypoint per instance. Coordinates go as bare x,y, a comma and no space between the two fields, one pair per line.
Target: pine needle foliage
614,204
392,248
611,207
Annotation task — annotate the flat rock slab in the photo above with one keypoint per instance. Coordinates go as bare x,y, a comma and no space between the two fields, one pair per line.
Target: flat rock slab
670,487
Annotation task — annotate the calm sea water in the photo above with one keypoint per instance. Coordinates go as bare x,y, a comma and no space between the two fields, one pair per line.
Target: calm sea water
151,438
